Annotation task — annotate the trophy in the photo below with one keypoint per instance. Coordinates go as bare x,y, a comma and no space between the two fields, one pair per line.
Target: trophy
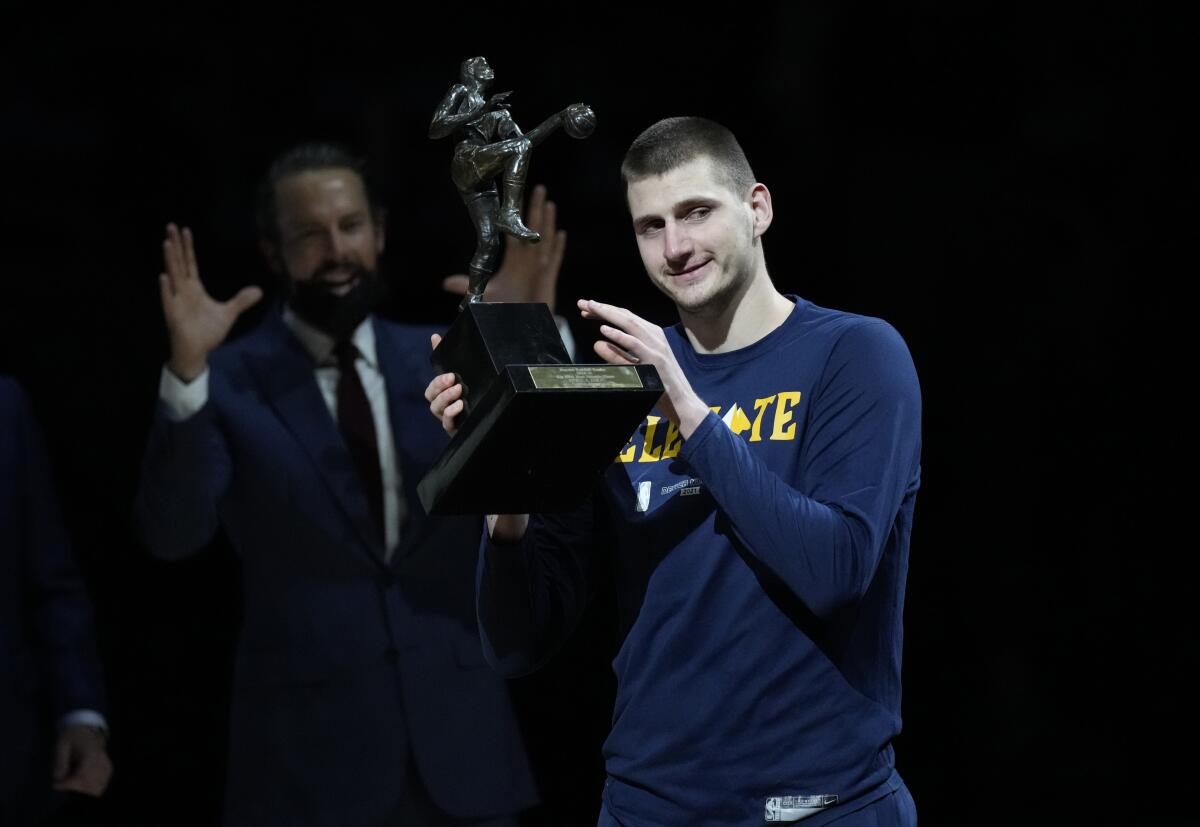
536,430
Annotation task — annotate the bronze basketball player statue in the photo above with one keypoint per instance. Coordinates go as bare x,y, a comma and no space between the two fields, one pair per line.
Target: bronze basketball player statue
490,145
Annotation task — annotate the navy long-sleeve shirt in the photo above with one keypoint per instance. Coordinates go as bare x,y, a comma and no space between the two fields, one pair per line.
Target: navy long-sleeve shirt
760,569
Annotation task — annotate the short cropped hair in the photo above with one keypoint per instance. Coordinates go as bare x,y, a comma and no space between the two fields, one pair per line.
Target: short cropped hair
673,142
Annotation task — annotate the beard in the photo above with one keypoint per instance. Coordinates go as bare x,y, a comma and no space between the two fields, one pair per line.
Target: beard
338,315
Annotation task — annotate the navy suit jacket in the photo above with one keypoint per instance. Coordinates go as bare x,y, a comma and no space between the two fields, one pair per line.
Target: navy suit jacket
48,660
343,661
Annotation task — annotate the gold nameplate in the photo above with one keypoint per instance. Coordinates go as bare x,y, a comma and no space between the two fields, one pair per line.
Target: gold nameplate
558,377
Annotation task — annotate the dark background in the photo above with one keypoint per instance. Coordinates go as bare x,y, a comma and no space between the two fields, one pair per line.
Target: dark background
1006,186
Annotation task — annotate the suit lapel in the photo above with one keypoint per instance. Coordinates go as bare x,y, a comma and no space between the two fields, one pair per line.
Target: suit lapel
284,372
405,375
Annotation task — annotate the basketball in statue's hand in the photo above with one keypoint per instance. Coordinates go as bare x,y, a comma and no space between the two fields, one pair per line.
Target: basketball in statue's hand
579,121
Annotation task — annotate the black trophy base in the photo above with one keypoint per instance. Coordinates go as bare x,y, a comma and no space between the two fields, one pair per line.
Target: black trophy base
486,336
540,439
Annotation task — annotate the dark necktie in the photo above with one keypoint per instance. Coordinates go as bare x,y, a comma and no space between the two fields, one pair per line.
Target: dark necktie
358,429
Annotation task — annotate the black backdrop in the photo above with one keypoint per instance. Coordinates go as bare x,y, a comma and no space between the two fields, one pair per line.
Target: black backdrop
1005,186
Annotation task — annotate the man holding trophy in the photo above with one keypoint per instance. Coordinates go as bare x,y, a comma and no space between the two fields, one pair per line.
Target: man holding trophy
757,525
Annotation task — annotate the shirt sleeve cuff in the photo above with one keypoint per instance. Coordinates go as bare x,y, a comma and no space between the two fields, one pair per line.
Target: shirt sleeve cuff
182,400
84,717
